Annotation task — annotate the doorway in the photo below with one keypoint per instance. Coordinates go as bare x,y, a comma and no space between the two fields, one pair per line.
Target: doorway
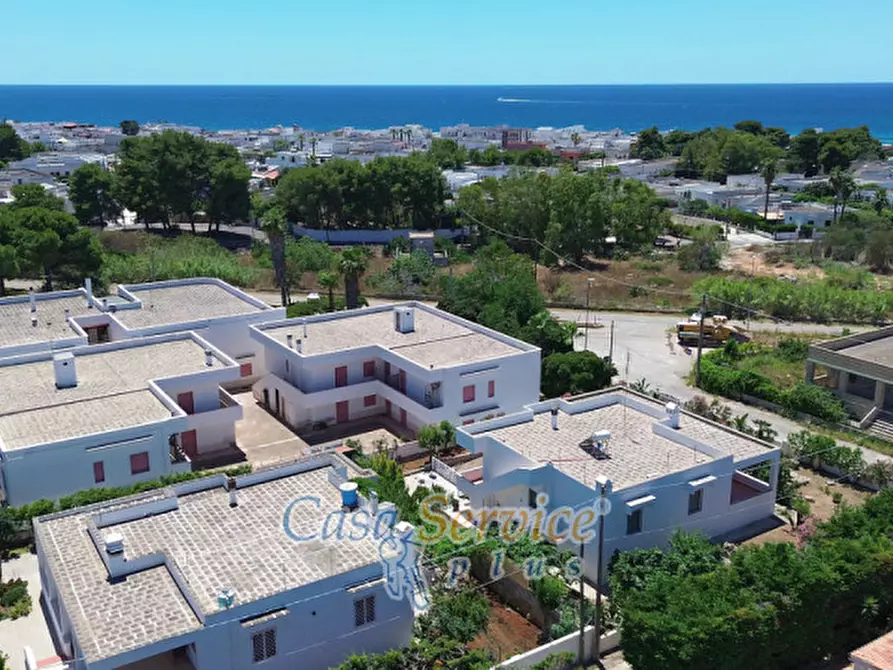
342,411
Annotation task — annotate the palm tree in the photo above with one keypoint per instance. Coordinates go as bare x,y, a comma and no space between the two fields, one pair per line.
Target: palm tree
352,265
768,170
301,141
880,201
576,139
275,225
843,185
409,137
313,142
328,280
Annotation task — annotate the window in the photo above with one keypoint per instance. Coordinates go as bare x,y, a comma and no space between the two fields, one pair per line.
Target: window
99,472
369,369
695,501
264,645
364,610
468,394
341,376
634,523
245,370
468,422
491,388
369,401
139,463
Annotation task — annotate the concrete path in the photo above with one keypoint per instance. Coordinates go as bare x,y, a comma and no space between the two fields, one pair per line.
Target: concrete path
32,630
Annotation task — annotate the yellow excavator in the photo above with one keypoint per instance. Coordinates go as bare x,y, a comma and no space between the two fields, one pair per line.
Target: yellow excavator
717,331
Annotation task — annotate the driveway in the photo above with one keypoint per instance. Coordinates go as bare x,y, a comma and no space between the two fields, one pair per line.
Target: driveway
32,630
262,437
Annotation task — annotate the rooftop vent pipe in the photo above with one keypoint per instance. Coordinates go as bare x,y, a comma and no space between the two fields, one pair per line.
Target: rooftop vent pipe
32,298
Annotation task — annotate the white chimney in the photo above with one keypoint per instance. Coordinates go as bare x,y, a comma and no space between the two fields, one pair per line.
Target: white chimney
88,284
555,419
305,329
373,503
231,487
66,374
32,298
674,413
105,304
34,321
209,358
67,314
290,341
114,553
404,319
299,346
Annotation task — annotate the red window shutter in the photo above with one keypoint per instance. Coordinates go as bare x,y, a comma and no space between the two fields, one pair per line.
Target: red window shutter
139,463
369,369
468,394
341,376
99,472
245,370
369,401
491,388
468,422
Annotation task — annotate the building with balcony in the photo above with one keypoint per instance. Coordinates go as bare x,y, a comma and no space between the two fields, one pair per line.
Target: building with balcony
112,414
859,370
62,319
411,363
201,576
669,469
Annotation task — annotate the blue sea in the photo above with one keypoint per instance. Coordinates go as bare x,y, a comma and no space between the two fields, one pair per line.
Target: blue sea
629,108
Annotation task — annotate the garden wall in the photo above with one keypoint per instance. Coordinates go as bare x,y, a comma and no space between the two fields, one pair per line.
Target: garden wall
512,589
369,236
610,641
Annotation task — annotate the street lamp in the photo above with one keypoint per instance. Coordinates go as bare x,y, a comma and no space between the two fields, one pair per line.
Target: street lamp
589,281
602,507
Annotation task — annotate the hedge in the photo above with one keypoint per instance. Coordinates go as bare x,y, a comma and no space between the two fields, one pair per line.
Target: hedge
773,606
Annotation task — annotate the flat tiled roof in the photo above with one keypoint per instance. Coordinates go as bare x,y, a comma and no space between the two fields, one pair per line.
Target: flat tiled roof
436,341
15,319
182,304
214,546
637,454
878,351
112,391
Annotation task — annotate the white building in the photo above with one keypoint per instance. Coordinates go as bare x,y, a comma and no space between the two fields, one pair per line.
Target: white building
112,414
194,576
669,469
61,319
288,159
412,363
817,216
58,164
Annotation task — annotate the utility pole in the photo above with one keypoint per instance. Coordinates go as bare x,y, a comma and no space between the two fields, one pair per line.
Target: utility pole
700,340
602,509
586,328
582,658
611,345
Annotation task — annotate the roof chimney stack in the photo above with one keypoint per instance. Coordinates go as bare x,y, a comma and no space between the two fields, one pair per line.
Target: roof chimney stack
290,341
34,321
66,374
67,314
674,413
88,285
105,304
555,418
305,329
299,346
114,554
404,319
209,358
32,298
231,487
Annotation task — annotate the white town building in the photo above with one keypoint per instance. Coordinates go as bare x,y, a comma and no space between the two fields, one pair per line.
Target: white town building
412,363
669,469
817,216
202,576
112,414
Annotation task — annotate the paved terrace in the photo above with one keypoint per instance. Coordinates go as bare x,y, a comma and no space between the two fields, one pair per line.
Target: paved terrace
256,560
637,454
182,303
112,391
436,341
15,317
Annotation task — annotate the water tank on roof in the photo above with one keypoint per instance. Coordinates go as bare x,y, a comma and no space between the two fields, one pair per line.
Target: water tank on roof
349,494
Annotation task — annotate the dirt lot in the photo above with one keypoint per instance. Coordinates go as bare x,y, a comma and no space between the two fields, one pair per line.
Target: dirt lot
819,495
507,634
751,260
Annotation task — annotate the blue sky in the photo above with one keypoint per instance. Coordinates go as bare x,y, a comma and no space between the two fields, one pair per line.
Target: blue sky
456,42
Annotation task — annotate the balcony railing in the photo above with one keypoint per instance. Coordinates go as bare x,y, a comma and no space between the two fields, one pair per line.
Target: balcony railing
226,399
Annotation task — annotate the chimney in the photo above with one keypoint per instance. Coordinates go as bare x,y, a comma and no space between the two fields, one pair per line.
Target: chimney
114,554
299,346
290,341
305,329
67,314
555,419
209,358
674,413
373,503
66,374
404,319
88,284
231,487
105,304
32,298
34,321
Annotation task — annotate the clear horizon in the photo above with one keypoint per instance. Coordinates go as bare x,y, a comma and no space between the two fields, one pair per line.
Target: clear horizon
458,85
461,43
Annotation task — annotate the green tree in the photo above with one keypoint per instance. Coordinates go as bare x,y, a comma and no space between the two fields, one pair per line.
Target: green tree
448,154
575,372
649,145
805,149
275,226
704,253
12,147
550,335
352,265
328,280
130,128
752,127
34,195
229,201
92,193
9,528
843,185
456,616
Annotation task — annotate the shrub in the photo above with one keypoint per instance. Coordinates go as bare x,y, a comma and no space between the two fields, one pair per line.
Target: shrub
458,616
15,602
318,306
559,661
550,591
